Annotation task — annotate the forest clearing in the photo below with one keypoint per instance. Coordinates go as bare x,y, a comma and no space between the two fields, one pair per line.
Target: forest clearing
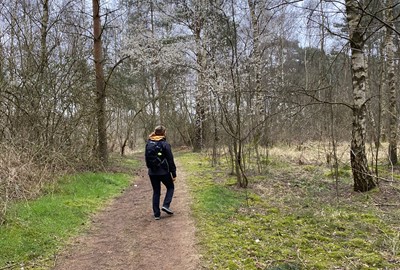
282,115
297,216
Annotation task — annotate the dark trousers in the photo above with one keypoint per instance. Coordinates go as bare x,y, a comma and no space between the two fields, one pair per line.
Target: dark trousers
156,181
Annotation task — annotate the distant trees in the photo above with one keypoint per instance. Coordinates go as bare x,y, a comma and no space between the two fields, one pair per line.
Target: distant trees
40,78
45,95
230,77
249,83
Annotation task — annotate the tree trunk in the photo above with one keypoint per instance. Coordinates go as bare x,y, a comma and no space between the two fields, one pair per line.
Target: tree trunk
39,131
256,58
198,142
156,80
100,84
361,174
390,51
198,128
237,126
259,112
200,112
383,89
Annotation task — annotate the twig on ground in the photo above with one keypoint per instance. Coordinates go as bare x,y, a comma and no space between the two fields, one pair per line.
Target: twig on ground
8,266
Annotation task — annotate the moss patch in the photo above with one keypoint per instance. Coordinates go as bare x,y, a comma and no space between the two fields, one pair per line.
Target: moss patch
286,220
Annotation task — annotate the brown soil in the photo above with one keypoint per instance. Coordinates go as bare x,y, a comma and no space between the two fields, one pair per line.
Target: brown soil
126,236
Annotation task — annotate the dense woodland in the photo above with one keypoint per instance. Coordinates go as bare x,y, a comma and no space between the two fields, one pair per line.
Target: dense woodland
83,79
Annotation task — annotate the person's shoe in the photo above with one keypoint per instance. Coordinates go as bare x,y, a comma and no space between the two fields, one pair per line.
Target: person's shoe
167,210
157,218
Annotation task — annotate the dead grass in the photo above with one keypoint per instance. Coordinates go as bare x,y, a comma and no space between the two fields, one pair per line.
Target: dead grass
310,185
315,153
25,169
20,177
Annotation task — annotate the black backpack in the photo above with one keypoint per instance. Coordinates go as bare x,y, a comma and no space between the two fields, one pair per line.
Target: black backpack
154,154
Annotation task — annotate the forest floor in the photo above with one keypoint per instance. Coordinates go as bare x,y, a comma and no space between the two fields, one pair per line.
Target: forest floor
126,236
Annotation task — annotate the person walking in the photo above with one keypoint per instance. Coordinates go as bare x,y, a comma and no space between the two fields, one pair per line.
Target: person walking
161,169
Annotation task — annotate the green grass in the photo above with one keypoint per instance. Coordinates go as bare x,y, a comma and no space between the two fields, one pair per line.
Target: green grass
35,230
282,226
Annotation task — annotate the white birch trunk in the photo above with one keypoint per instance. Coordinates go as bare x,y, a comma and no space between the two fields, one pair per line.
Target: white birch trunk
390,52
362,177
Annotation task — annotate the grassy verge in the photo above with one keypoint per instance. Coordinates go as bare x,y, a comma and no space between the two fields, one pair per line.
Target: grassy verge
289,219
34,231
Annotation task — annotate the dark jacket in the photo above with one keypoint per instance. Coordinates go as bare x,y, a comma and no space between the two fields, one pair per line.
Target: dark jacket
168,165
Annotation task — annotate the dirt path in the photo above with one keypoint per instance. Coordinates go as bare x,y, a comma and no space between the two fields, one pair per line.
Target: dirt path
126,236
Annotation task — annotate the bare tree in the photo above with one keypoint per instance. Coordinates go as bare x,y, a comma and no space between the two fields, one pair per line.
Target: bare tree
100,84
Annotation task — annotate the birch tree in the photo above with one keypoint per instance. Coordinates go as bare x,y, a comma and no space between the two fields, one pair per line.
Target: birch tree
362,177
391,78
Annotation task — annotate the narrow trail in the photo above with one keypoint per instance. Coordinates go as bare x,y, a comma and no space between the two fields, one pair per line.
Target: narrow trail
126,236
